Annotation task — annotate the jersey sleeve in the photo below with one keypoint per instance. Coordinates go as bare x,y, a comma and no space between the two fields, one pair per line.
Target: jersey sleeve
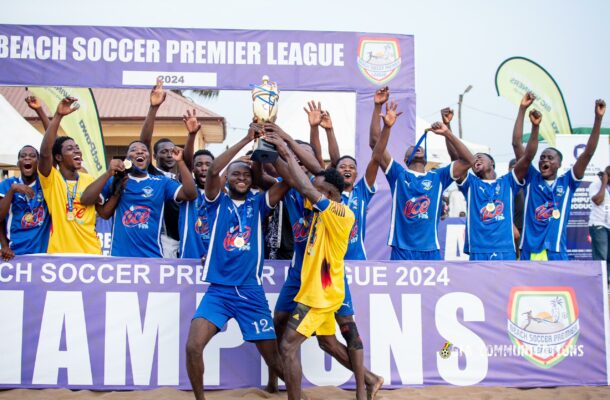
364,191
338,218
446,175
5,185
531,174
47,182
107,189
263,203
172,187
514,183
465,184
392,173
573,182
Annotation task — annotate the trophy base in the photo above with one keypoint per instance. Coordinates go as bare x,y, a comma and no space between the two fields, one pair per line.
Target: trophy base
264,156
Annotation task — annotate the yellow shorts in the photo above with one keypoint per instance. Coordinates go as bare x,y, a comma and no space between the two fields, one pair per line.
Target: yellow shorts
307,320
542,256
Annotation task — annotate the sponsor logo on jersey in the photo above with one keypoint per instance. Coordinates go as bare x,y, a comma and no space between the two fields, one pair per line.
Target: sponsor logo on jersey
496,215
544,212
232,234
417,207
136,216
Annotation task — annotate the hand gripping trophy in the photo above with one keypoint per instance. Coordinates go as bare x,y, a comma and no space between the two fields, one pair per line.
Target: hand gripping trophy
264,104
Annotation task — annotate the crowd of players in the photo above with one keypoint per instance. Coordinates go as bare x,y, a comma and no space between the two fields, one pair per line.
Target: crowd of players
230,211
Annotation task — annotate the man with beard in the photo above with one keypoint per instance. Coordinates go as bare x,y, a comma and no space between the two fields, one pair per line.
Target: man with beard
234,263
416,194
24,210
548,197
73,229
194,221
139,201
489,223
166,166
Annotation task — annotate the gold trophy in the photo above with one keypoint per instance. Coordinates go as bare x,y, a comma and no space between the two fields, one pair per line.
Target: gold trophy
264,105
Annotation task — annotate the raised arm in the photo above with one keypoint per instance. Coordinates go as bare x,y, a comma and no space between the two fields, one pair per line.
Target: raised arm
6,252
298,179
92,192
192,126
447,116
380,153
214,182
523,163
333,147
307,159
465,157
381,96
65,107
157,97
314,116
583,159
188,191
598,198
36,104
526,101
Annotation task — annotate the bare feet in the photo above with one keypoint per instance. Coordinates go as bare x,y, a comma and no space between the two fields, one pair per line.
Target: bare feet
373,388
272,387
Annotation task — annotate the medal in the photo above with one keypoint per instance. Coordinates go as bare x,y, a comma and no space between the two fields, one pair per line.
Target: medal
70,216
239,242
28,217
556,214
490,207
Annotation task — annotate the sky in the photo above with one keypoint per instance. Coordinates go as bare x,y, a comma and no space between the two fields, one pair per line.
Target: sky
457,43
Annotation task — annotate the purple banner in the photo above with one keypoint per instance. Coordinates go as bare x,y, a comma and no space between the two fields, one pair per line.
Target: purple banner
118,323
207,58
109,57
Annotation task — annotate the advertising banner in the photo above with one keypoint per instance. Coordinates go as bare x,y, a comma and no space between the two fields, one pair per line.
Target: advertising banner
107,323
83,125
517,76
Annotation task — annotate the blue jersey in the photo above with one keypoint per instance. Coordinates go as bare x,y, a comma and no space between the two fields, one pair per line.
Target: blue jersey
489,223
300,219
137,218
194,224
28,223
416,206
547,211
358,201
235,254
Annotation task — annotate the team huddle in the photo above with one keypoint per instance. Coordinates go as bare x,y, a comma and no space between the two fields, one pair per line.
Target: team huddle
195,205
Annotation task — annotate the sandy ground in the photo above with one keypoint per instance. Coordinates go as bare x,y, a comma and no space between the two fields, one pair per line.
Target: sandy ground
325,393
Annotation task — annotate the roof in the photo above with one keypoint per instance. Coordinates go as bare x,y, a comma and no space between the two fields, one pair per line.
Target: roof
123,104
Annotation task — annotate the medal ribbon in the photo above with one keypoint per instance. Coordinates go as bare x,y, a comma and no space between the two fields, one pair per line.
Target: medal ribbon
239,217
490,195
72,196
30,203
424,139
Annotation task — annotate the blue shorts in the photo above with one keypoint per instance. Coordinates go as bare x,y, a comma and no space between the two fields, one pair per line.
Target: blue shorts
496,255
247,304
551,255
285,301
403,254
347,308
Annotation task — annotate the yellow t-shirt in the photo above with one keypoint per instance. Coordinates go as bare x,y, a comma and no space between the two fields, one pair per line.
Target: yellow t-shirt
323,270
78,235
